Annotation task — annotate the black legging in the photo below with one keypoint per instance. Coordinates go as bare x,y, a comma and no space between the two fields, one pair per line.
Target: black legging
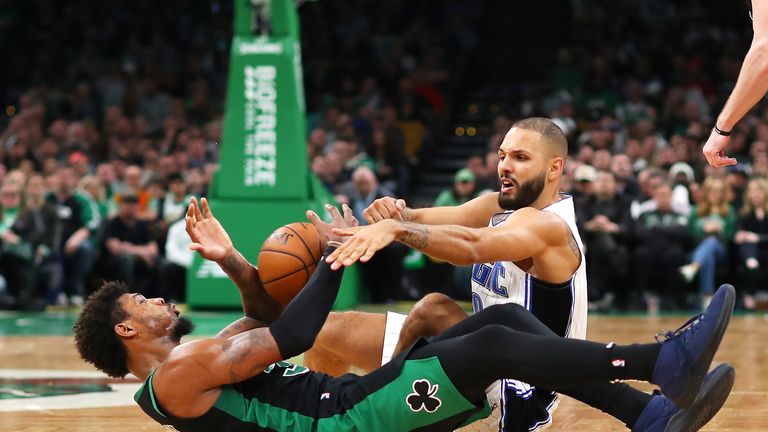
507,341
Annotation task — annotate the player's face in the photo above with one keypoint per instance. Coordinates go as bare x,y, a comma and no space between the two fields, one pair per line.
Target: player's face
156,316
522,169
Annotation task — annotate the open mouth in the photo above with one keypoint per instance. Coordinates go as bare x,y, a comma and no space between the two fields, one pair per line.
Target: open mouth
507,185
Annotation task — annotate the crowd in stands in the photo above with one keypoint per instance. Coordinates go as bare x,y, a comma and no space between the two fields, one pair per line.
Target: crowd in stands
108,132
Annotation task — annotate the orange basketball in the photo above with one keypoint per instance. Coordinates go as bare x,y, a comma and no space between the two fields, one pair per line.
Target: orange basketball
288,258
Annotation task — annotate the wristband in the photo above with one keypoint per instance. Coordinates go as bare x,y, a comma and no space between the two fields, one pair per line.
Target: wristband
722,132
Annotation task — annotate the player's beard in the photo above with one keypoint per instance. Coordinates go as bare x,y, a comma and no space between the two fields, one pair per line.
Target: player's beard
183,327
527,193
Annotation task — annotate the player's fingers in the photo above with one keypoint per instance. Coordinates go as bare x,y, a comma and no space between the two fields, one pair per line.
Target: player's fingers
190,212
374,214
196,247
334,212
206,208
313,217
343,232
348,215
392,212
354,256
190,222
198,214
400,204
368,254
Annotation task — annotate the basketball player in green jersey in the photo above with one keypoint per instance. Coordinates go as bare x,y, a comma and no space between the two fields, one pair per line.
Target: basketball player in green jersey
238,381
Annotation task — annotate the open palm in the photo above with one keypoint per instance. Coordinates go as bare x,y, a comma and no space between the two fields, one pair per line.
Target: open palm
209,238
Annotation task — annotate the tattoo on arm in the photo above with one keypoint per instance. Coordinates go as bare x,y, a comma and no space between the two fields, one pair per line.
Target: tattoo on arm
235,266
242,325
239,351
416,235
574,247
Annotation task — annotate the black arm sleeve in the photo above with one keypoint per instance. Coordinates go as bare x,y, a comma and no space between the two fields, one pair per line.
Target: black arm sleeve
300,322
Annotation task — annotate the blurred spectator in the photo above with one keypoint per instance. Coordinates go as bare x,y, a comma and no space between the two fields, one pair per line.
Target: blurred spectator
174,204
444,277
178,258
681,175
463,189
583,177
390,165
662,240
21,231
79,219
713,224
382,275
601,216
752,239
128,250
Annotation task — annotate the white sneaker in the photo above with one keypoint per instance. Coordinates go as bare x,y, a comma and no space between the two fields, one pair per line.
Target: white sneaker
61,299
688,272
76,301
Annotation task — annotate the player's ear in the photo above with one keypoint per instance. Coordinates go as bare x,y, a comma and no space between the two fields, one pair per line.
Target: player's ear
556,167
126,329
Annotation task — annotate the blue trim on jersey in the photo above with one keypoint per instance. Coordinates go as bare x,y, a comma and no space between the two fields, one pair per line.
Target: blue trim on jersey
503,416
573,300
549,415
528,293
519,392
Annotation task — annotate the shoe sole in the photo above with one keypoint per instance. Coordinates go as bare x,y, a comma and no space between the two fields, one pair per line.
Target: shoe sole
704,360
712,397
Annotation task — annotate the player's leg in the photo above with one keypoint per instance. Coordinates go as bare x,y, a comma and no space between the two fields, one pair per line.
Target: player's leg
430,316
347,339
678,365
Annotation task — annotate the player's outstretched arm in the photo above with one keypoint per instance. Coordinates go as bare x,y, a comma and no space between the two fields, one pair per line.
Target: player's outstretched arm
212,242
216,362
474,213
526,234
751,86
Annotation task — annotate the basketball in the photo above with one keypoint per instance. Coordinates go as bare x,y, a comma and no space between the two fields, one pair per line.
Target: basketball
288,258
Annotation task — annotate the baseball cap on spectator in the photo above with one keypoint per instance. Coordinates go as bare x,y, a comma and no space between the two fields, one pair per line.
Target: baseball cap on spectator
464,175
681,168
739,169
585,173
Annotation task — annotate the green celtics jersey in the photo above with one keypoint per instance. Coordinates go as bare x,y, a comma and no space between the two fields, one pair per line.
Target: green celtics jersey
405,395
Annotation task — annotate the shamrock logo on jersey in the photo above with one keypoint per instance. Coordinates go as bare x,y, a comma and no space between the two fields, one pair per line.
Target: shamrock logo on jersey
423,397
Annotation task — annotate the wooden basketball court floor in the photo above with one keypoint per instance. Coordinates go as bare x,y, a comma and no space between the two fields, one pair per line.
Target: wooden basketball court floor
45,387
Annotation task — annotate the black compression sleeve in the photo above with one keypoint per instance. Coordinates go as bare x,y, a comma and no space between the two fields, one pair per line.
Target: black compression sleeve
296,329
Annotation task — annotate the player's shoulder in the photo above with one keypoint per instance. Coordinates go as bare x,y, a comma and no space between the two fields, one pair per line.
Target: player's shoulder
546,223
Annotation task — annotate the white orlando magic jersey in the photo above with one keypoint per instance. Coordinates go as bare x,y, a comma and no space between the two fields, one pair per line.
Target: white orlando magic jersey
562,307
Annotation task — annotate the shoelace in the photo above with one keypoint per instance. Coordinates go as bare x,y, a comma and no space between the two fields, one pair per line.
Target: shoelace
680,336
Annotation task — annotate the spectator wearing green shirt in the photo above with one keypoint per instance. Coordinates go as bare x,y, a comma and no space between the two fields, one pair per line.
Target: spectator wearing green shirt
463,190
713,224
444,277
79,219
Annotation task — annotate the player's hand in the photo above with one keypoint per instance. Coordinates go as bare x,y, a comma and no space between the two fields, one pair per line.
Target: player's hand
386,208
325,230
714,150
363,243
209,238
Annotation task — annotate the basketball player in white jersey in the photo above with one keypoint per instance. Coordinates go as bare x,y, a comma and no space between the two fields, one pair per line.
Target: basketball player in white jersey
525,248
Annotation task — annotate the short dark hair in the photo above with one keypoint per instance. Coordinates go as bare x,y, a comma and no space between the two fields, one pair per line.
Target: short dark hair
95,335
549,130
